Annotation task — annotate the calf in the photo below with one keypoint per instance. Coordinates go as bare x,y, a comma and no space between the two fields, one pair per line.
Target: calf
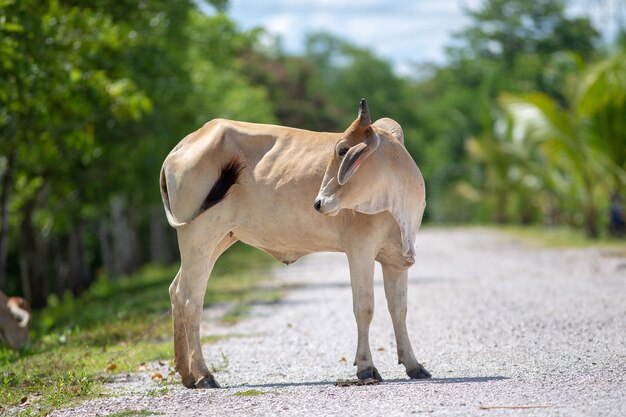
292,192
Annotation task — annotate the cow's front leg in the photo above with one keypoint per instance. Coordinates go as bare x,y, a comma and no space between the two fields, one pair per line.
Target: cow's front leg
396,293
362,280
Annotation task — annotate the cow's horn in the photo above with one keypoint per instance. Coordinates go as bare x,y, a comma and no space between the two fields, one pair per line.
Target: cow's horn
364,114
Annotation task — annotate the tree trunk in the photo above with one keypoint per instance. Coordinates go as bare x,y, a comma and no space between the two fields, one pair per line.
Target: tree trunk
553,211
591,224
61,270
501,203
5,192
590,213
34,280
78,268
125,240
104,236
161,250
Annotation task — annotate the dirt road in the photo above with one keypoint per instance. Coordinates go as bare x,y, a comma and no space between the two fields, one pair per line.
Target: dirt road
504,328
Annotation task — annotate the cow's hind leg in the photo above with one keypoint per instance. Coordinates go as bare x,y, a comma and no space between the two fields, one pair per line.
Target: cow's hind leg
362,280
181,350
197,259
396,294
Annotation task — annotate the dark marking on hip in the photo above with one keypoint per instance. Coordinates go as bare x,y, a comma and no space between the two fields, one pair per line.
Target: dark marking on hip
229,175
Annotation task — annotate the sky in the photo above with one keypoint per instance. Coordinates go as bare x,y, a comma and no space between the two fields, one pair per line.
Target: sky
404,32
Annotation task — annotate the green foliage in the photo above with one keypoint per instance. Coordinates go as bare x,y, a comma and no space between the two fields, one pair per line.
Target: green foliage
520,94
58,79
510,45
92,98
349,72
601,100
576,143
134,413
560,237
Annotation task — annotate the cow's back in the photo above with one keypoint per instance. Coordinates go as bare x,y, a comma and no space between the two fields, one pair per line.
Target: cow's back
272,204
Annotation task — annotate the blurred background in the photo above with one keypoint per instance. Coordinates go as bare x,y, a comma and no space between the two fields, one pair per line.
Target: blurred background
514,110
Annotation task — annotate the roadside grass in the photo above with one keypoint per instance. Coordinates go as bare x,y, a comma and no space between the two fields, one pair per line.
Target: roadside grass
134,413
558,237
114,327
249,393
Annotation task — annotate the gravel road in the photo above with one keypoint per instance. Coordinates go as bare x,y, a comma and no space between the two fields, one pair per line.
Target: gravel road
506,329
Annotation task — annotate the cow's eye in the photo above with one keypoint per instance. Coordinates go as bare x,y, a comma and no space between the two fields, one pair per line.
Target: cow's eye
342,151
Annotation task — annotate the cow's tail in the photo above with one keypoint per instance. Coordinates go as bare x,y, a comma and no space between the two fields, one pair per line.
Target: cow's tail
229,176
171,219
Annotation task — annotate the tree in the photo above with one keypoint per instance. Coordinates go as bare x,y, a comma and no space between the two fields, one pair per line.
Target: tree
509,31
510,45
92,97
601,97
584,142
55,82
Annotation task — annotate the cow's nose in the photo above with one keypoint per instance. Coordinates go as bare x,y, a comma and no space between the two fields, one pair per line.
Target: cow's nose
318,205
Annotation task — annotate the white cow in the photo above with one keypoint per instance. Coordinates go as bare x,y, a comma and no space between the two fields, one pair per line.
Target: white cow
260,184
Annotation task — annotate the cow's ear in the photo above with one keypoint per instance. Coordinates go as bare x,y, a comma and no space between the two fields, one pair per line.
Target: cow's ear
356,155
351,162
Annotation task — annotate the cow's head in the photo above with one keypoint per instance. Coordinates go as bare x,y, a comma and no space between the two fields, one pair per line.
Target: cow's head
339,188
387,177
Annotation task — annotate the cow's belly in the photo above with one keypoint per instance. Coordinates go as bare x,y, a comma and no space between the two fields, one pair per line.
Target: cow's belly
288,237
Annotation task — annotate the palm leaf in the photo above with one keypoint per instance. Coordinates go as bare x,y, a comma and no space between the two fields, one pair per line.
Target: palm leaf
603,85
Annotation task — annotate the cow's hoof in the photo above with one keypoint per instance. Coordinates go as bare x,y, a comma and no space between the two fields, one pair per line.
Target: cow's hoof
419,373
370,373
207,382
189,382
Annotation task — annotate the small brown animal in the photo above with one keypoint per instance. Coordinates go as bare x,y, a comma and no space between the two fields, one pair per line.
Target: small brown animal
14,321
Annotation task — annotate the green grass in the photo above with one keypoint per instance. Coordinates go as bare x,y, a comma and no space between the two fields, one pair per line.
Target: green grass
158,392
249,393
133,413
558,237
114,327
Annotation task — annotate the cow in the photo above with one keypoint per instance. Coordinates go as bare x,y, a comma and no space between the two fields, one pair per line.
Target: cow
14,321
292,192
